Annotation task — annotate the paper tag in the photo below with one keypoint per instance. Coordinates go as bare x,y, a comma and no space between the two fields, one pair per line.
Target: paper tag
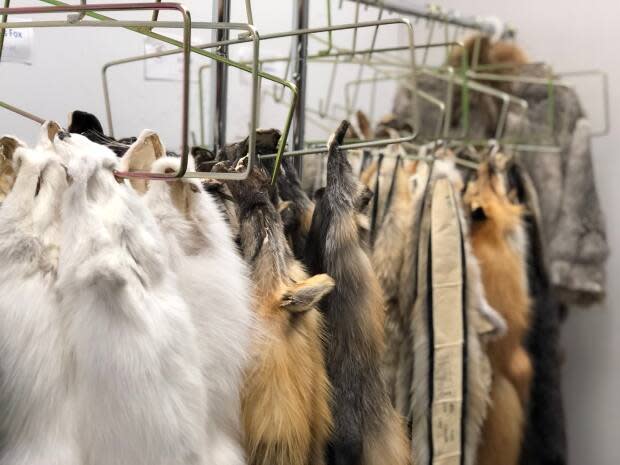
18,46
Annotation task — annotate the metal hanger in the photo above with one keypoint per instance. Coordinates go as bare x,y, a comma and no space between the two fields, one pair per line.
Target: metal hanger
323,148
142,27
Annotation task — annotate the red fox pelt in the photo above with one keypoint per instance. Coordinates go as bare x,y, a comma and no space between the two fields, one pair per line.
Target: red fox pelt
285,400
367,431
498,241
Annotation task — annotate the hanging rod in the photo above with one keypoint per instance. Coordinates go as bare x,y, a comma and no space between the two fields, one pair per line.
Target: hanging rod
404,7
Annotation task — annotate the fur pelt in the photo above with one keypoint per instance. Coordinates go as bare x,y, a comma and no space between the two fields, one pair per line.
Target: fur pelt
140,396
297,208
573,227
545,435
367,431
498,242
87,124
285,400
480,319
214,282
37,424
504,58
8,145
387,260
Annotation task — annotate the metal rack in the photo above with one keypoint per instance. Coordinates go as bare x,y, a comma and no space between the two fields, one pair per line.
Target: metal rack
297,61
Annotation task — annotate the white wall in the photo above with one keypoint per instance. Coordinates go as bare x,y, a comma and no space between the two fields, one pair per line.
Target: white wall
568,34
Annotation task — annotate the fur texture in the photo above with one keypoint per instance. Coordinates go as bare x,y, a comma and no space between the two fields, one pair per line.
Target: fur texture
214,282
367,430
285,402
37,423
387,260
8,145
297,208
138,386
412,380
499,244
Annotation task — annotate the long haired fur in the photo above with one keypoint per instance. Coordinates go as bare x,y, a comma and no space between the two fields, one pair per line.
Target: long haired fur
387,260
498,242
138,386
285,400
413,393
8,145
214,282
37,422
367,430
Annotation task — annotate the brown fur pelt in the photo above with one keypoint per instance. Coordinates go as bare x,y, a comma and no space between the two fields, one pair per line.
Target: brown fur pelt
367,430
503,58
498,241
285,401
297,208
7,174
387,260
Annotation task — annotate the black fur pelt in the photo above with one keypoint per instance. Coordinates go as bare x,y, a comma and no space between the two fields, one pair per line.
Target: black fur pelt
545,436
544,441
88,125
366,428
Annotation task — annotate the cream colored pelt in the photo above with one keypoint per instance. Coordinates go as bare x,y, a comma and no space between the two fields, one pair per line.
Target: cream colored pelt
141,398
483,322
214,282
37,415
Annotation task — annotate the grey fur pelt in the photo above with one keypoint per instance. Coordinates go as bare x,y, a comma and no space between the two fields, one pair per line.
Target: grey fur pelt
573,225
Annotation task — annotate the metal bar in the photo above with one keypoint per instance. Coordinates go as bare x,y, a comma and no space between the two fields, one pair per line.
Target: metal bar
21,112
314,30
302,13
219,97
74,18
201,102
403,7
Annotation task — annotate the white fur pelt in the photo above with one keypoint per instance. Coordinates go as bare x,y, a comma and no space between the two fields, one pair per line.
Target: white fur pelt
215,283
36,424
140,396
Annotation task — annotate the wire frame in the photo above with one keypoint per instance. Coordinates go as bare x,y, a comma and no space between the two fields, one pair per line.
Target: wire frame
144,27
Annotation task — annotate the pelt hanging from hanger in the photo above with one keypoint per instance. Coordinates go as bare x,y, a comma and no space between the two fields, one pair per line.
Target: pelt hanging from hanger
367,430
37,423
214,282
414,390
8,145
498,241
285,400
138,385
